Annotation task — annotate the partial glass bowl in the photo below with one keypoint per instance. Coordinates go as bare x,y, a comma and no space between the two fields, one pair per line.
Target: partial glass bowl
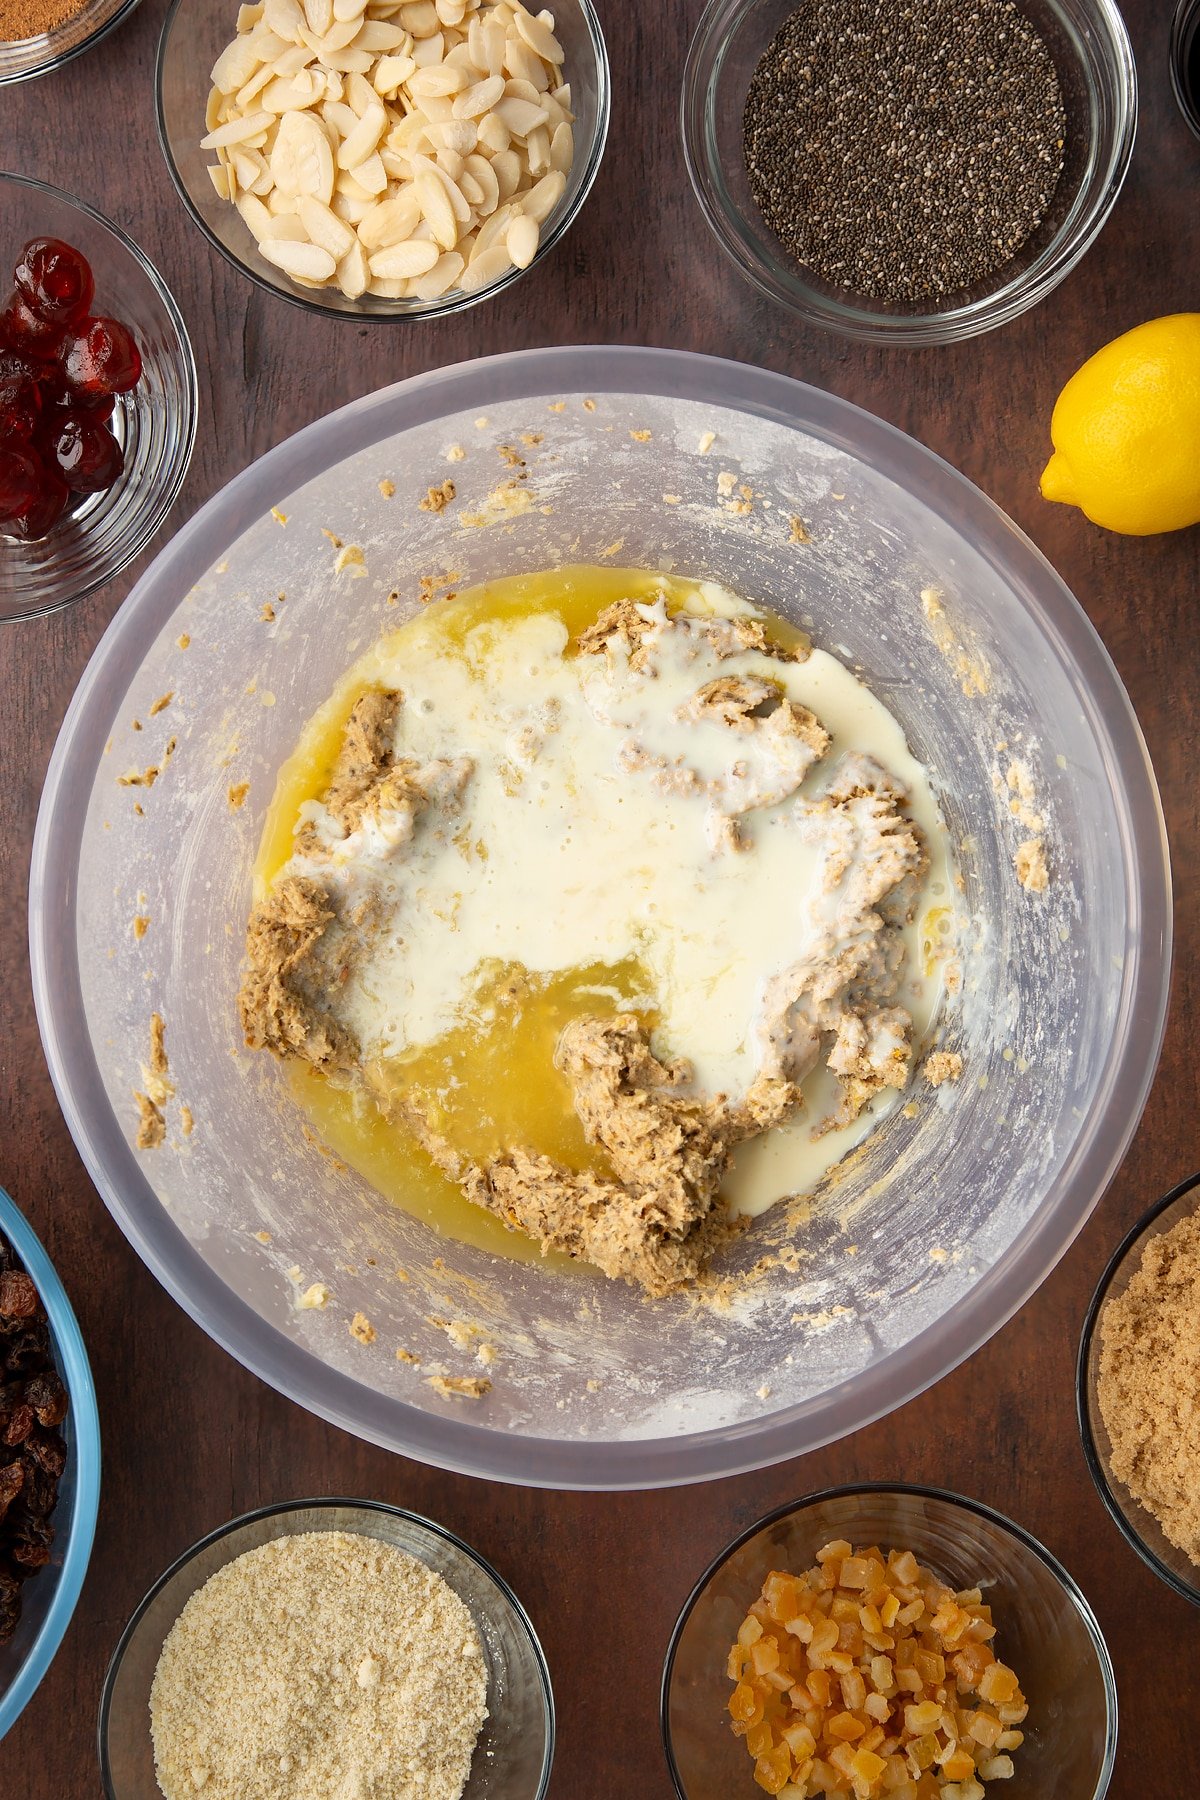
48,1598
155,424
1136,1525
23,58
516,1745
193,37
1045,1630
961,1203
1090,47
1184,56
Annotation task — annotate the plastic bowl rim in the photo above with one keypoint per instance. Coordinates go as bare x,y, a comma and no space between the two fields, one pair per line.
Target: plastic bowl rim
466,1448
453,302
191,392
1142,1229
58,58
919,1491
955,324
81,1391
322,1502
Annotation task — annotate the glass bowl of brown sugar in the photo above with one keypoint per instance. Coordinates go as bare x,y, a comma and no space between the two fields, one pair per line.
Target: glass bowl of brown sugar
908,182
1138,1388
39,35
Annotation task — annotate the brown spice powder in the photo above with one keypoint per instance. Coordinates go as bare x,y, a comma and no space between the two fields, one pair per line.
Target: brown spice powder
1149,1383
22,19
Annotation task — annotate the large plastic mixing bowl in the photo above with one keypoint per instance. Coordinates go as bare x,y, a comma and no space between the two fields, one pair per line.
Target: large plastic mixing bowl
927,1240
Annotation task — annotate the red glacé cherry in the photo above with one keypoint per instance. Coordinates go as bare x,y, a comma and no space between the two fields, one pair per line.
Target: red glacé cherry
101,359
85,452
21,478
47,509
54,280
26,330
20,379
17,422
60,370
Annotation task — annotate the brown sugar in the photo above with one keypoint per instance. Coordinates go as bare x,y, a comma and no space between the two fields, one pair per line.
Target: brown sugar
1149,1383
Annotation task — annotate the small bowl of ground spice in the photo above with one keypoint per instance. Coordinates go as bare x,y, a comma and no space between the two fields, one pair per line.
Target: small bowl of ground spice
39,35
1139,1388
908,174
322,1649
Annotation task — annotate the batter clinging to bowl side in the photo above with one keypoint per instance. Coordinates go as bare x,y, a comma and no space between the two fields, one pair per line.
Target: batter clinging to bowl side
609,899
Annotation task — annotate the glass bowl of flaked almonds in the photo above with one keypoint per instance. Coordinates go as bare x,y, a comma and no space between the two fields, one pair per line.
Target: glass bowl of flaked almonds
888,1643
383,159
1139,1359
326,1646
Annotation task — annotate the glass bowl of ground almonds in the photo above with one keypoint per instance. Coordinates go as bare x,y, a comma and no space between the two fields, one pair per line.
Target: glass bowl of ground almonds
1139,1388
322,1650
908,176
888,1643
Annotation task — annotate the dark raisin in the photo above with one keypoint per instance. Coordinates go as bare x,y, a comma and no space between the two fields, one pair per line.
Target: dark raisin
10,1605
18,1296
40,1490
20,1424
48,1451
47,1396
27,1350
31,1543
12,1480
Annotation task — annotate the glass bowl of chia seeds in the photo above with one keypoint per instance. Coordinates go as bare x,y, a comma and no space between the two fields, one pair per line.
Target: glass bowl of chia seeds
910,182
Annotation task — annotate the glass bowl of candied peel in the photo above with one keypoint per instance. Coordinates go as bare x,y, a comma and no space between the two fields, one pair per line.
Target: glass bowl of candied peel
98,399
876,1641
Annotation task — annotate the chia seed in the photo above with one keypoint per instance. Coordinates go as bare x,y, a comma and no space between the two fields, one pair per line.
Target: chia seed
904,151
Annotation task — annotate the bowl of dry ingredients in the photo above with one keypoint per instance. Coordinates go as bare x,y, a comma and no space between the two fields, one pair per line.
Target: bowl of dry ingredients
912,174
325,1648
888,1643
1139,1388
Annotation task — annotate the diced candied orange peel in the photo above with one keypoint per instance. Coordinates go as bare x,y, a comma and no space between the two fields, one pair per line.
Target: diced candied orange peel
867,1677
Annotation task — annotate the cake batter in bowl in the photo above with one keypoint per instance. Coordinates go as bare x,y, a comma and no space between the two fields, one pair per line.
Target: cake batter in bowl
831,1309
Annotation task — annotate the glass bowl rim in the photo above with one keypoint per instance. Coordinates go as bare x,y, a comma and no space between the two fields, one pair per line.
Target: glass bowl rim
81,1391
612,1463
1141,1230
1186,17
56,59
910,1490
319,1503
189,381
445,304
702,67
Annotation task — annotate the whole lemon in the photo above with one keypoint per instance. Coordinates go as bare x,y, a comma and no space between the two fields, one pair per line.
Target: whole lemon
1126,431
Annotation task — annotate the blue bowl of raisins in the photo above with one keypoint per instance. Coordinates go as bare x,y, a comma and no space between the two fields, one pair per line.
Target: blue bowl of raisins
49,1462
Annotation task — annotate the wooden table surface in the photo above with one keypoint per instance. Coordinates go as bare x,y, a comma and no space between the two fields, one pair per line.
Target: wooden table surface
189,1437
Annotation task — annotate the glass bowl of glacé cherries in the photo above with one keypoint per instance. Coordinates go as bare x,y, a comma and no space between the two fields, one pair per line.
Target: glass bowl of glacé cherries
97,399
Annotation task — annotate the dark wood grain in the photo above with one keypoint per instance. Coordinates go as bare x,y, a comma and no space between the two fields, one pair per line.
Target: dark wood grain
190,1438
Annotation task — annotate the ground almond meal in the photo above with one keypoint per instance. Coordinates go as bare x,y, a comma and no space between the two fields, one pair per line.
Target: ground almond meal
325,1666
1149,1383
